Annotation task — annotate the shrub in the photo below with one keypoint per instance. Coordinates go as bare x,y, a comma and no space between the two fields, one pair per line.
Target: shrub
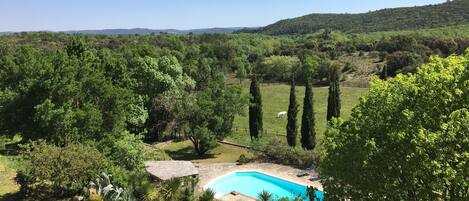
349,67
207,195
171,190
127,154
60,170
265,196
126,150
402,62
203,140
243,159
311,192
277,152
187,195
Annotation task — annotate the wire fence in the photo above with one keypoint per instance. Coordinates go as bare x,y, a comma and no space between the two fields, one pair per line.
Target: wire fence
264,131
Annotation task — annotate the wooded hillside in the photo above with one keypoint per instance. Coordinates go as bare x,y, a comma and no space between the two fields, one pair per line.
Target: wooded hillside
409,18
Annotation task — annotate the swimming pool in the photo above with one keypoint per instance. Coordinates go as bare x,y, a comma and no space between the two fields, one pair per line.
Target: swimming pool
251,183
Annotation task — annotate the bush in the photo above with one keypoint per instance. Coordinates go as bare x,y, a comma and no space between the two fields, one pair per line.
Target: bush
126,150
243,159
349,67
277,152
207,195
127,154
62,171
402,62
203,140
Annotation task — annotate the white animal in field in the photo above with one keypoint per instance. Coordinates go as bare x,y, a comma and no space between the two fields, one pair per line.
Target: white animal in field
282,114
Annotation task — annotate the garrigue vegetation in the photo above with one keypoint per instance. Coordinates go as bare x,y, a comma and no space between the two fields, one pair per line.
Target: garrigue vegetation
431,16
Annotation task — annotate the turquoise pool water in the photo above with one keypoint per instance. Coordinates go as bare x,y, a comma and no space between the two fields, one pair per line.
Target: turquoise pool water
251,183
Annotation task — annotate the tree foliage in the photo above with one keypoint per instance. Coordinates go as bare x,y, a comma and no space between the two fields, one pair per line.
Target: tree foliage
308,133
60,171
292,127
406,140
333,100
255,110
208,115
409,18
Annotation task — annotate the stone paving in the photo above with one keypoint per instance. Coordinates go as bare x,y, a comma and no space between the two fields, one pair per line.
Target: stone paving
208,172
230,197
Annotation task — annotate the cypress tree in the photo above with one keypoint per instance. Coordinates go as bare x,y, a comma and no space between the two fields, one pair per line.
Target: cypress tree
384,73
292,113
333,101
308,133
255,110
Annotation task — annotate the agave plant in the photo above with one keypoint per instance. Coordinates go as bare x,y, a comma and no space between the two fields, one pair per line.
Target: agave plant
104,188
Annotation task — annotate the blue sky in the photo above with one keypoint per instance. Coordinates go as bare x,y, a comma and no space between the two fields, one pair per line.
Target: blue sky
60,15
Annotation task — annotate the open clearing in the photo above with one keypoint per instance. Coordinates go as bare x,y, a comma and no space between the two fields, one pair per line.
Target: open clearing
275,98
185,151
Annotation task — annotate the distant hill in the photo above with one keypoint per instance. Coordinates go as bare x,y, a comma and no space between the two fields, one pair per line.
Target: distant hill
454,12
143,31
6,33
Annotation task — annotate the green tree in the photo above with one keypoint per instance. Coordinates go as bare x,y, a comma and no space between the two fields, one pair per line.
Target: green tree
409,136
292,128
60,98
401,62
241,64
308,133
208,115
255,110
159,81
333,101
277,67
63,171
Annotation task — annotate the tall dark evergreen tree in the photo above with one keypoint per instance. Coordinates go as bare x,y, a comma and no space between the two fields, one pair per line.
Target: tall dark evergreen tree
308,133
292,113
255,110
384,73
333,102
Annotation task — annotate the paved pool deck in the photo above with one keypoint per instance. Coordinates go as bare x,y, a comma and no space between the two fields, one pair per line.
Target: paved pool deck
208,172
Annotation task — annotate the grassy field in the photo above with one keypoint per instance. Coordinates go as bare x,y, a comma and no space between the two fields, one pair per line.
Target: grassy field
8,167
275,99
7,175
185,151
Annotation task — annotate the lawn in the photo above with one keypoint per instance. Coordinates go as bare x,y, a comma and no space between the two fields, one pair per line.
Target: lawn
185,151
8,167
7,176
275,99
